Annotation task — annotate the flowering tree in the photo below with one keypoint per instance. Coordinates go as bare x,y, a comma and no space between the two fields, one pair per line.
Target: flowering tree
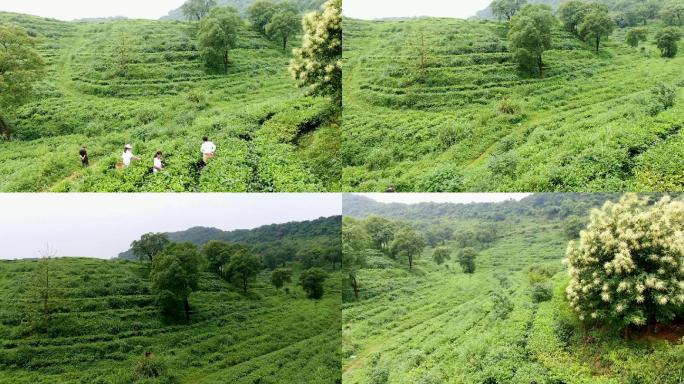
628,267
318,63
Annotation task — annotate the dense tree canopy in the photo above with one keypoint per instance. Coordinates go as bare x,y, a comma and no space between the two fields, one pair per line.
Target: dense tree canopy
197,9
506,9
149,245
667,40
530,36
466,258
672,13
260,13
597,24
636,35
20,67
217,35
175,274
283,25
243,267
312,281
218,254
441,254
407,244
628,267
572,14
318,63
355,242
280,276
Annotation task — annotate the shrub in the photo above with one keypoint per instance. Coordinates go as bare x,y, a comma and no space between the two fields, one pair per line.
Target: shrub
541,292
662,98
503,305
508,107
149,366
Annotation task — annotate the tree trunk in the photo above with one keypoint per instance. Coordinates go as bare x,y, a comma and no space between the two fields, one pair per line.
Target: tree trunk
284,43
46,301
244,282
225,61
355,286
5,132
598,42
540,63
186,307
410,262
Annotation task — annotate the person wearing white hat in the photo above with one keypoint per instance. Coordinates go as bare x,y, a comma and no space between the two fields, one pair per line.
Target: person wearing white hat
128,155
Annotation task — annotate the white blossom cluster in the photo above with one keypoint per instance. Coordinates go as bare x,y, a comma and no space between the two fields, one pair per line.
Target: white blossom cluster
628,267
318,63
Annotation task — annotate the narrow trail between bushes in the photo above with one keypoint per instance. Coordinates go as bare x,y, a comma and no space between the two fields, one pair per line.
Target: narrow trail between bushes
64,63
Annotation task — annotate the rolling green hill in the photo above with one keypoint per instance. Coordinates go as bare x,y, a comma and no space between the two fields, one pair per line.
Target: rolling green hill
467,120
106,319
242,5
325,229
270,137
437,325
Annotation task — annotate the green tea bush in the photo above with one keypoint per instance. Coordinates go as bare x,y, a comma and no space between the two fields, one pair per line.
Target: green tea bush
662,98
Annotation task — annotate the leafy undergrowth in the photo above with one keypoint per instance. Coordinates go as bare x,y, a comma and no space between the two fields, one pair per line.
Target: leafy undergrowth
163,99
438,325
469,121
106,320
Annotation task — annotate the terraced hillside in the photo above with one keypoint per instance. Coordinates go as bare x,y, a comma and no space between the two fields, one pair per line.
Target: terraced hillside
143,82
438,105
436,324
106,321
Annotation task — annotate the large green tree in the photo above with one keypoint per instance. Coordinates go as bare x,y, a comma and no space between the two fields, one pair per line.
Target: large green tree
466,258
636,35
355,242
175,274
280,276
149,245
195,10
218,255
667,40
572,14
597,24
244,266
407,244
506,9
627,267
318,63
380,230
20,67
260,14
217,35
311,281
283,25
530,36
672,13
440,255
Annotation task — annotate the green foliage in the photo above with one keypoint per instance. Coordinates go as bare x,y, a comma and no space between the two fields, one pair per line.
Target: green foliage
217,35
407,244
175,274
195,10
636,35
260,13
283,25
149,367
624,271
667,40
311,281
440,255
662,98
318,64
280,276
506,9
572,13
541,292
672,13
218,254
573,225
243,267
466,258
596,24
503,305
530,36
149,245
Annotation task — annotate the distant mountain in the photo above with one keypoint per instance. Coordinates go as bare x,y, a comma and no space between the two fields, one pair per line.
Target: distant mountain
614,5
242,5
328,227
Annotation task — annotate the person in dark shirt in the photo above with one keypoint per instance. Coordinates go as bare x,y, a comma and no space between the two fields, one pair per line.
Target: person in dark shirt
84,157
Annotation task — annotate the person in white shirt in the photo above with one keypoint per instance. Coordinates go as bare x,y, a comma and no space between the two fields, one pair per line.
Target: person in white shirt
158,165
208,149
128,155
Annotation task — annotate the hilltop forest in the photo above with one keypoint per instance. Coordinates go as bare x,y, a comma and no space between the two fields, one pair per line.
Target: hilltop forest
579,97
518,292
239,79
221,311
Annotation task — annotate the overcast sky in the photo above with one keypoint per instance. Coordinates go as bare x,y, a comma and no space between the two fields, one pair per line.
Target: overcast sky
377,9
80,9
415,198
102,225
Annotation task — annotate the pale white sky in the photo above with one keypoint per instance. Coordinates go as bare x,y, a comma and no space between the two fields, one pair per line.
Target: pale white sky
102,225
377,9
464,198
80,9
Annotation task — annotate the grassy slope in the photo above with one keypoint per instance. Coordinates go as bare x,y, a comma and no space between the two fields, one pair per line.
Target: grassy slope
437,325
263,125
107,319
584,127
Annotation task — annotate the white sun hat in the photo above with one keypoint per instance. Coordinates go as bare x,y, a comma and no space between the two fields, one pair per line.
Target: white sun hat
128,146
